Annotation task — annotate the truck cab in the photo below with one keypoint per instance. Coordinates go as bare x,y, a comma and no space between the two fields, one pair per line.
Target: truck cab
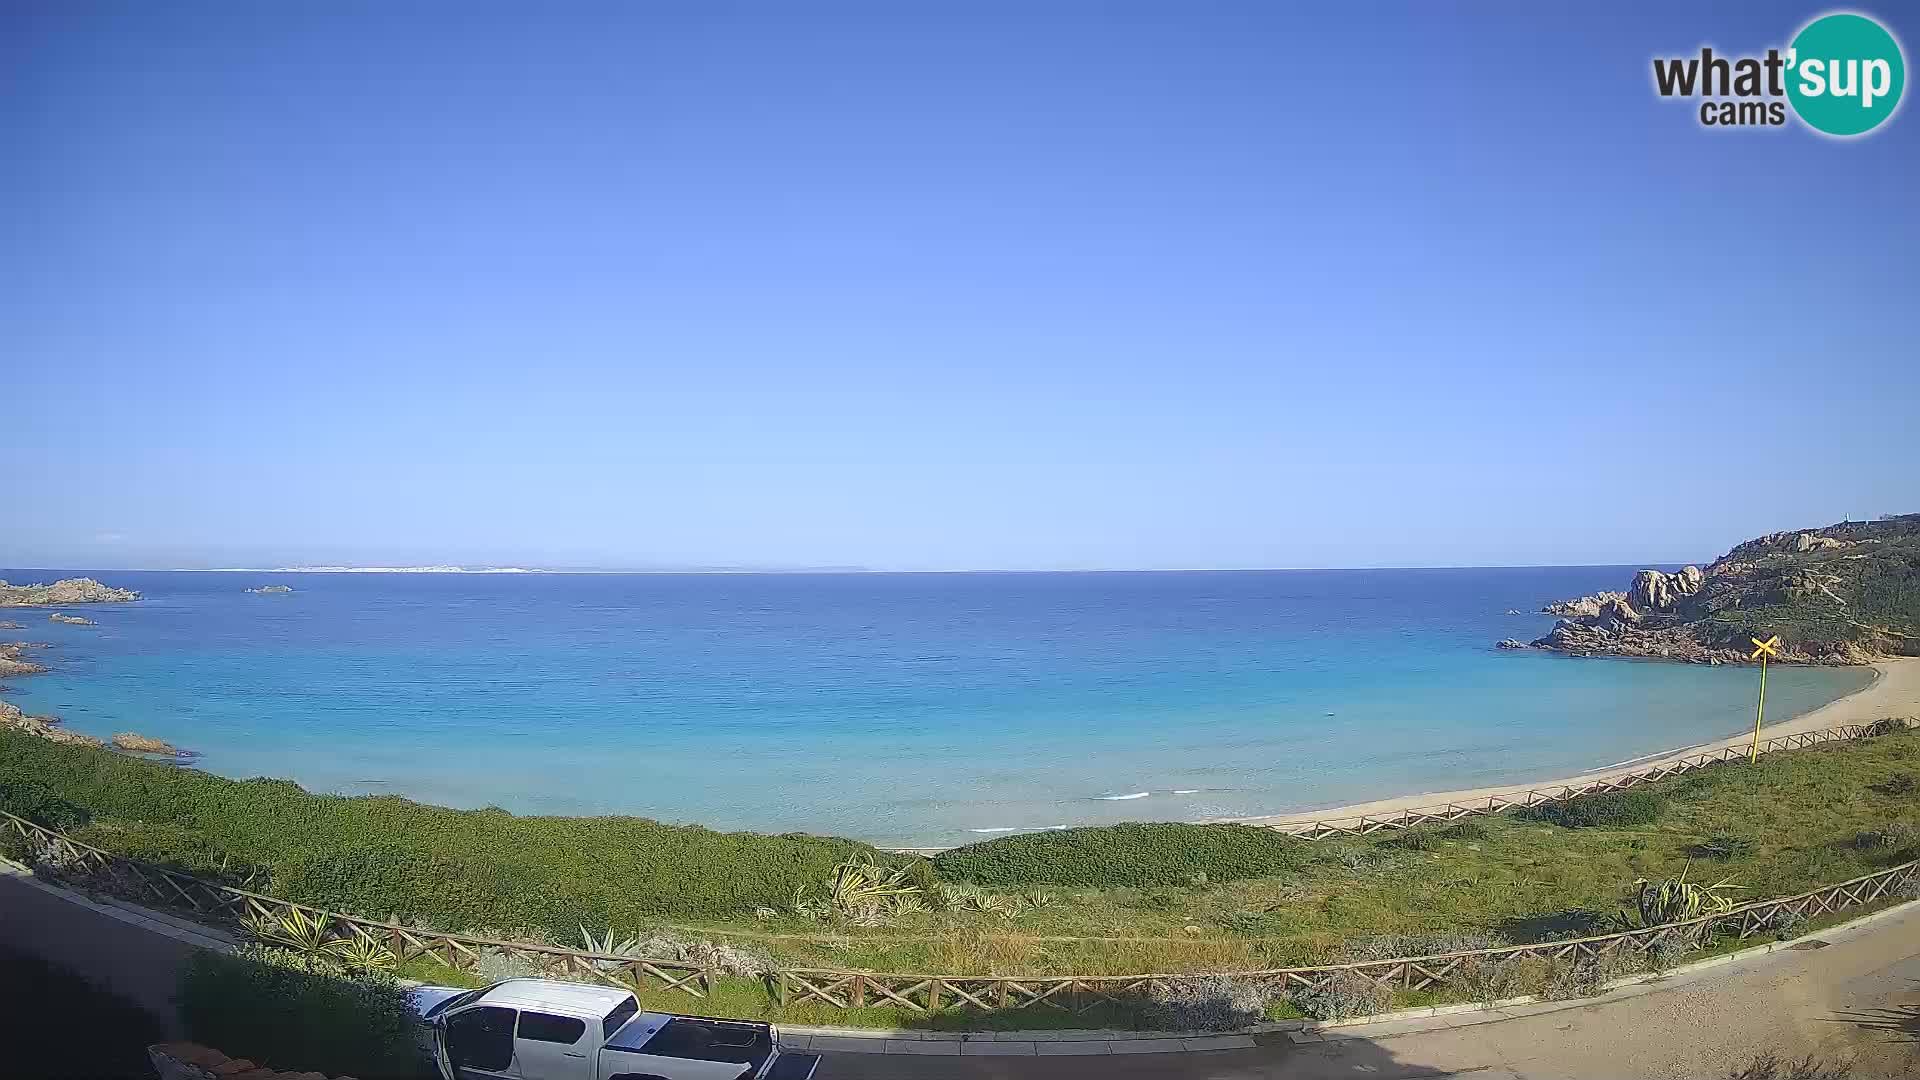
541,1029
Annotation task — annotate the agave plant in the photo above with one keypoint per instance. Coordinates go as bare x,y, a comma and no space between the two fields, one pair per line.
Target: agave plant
609,946
293,929
361,951
1677,900
1038,899
858,885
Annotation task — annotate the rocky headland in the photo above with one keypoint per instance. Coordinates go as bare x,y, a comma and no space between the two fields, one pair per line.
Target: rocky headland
1844,594
78,590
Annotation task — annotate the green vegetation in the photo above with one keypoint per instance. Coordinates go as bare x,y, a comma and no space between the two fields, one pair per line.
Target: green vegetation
68,1026
453,869
299,1012
1606,810
1126,855
1125,899
1774,587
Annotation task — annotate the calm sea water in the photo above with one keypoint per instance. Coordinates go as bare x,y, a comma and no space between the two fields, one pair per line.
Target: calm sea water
900,708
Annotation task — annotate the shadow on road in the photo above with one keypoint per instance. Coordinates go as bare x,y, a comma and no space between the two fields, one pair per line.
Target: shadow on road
1277,1058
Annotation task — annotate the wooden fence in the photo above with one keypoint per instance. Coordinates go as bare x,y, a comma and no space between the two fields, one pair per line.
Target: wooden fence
1362,824
1080,993
217,903
212,902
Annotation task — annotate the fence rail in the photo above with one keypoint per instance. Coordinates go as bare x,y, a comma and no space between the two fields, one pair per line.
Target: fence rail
214,902
1080,993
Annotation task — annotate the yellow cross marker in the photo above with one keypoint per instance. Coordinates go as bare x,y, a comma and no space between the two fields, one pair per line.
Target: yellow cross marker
1761,650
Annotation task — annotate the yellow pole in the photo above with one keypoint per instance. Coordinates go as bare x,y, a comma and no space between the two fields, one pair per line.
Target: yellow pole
1753,754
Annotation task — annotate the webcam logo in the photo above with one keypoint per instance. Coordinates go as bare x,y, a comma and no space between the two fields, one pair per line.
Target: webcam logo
1843,75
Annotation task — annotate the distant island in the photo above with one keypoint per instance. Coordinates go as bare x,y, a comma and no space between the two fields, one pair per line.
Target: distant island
1843,594
67,591
376,570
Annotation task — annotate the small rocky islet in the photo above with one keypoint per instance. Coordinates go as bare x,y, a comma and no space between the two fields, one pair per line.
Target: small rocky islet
1843,594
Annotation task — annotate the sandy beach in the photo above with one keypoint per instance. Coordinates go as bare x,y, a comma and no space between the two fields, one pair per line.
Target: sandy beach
1895,691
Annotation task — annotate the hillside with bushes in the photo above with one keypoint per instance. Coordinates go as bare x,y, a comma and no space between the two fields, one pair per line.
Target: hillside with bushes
1843,594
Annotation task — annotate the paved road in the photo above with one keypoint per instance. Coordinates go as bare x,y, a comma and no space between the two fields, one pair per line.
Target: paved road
120,953
1856,1000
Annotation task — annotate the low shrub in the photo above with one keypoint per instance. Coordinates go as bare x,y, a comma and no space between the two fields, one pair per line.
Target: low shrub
1605,810
1893,836
300,1013
1342,996
1900,784
1724,848
1395,946
37,804
1207,1003
1589,978
1133,855
1429,838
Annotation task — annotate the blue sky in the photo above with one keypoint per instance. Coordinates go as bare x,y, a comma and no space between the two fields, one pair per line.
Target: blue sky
931,286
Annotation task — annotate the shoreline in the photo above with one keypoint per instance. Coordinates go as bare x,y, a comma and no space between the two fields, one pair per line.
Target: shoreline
1894,691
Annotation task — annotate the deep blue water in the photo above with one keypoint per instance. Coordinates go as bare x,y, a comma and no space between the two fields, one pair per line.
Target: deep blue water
901,708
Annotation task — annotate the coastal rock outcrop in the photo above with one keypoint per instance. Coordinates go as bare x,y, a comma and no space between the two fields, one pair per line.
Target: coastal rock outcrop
14,718
1655,591
11,664
71,620
1585,605
5,625
143,744
46,727
1845,594
65,591
272,589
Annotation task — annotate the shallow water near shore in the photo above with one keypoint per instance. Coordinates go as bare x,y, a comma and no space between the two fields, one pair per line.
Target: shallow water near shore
906,709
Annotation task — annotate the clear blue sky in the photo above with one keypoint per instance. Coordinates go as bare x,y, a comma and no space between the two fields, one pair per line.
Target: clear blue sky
929,286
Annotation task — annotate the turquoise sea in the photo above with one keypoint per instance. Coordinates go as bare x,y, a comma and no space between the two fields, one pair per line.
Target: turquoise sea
898,708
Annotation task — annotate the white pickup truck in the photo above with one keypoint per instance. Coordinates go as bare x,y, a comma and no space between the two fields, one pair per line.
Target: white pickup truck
539,1029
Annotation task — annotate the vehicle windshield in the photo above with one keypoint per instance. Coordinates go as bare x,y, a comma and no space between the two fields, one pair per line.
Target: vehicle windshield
455,1002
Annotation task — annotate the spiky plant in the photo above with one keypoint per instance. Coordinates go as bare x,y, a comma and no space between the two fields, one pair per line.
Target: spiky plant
609,945
361,951
294,929
1678,900
859,885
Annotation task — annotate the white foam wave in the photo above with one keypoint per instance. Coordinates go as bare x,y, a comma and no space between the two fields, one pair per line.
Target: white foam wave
1124,798
1186,791
1004,828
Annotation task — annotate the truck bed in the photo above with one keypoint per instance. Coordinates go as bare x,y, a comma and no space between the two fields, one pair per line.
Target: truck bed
696,1038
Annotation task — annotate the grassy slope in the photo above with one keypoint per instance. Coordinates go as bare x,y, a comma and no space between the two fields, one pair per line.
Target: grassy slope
488,870
454,869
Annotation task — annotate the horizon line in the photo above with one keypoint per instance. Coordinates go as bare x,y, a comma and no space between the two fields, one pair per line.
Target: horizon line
825,571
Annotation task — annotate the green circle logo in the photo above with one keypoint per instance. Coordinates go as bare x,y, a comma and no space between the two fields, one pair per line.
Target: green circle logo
1845,74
